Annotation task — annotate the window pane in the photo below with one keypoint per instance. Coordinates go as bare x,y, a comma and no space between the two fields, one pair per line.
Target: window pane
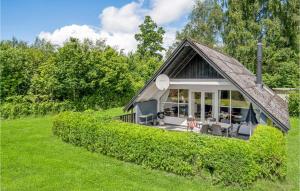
183,96
208,105
239,107
238,100
224,98
224,115
224,106
170,109
173,96
197,105
183,110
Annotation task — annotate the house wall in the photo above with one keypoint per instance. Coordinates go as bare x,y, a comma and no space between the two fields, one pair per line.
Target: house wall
193,85
197,85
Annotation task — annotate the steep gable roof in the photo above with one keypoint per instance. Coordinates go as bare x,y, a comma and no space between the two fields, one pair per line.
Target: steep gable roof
231,69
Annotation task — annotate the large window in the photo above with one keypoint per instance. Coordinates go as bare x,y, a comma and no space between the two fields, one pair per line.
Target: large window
197,105
233,107
208,106
224,103
239,107
174,103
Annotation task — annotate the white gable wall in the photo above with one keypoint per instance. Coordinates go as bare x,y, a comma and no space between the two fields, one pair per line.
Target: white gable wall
193,85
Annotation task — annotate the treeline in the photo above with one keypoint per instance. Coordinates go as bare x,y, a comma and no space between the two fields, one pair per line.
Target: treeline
92,74
88,75
84,75
235,27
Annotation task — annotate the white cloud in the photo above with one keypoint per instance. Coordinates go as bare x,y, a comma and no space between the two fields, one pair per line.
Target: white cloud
118,25
169,37
59,36
166,11
125,41
126,19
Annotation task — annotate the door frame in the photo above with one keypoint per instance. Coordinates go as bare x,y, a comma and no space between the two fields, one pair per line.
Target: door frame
215,102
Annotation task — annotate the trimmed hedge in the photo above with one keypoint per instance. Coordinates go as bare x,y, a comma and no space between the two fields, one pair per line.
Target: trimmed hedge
268,145
223,160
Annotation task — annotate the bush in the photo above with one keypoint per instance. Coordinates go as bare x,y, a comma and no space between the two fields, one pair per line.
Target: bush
294,107
227,161
20,106
11,110
268,145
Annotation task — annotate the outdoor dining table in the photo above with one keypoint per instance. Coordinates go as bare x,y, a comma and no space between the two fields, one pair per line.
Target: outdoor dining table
224,126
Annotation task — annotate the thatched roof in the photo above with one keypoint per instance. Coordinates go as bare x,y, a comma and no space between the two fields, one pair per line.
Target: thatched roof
231,69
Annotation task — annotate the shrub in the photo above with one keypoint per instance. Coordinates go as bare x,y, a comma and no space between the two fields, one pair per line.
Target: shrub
227,161
294,107
11,110
268,145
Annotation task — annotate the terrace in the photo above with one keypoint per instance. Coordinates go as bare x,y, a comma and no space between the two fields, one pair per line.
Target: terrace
210,127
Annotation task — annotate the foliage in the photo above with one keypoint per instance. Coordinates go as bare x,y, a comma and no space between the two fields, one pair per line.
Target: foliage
294,101
90,75
18,63
269,149
30,152
204,23
20,106
178,152
235,27
150,38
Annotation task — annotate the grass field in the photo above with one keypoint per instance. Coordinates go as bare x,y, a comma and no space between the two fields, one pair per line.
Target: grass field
33,159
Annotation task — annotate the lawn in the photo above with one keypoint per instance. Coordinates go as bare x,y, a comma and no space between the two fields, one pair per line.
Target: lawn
33,159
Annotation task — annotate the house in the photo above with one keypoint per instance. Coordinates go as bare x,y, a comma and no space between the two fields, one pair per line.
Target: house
204,83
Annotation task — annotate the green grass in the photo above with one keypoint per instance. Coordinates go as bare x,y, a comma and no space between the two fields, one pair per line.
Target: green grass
33,159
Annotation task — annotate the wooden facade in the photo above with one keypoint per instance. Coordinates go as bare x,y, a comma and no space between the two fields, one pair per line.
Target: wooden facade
197,68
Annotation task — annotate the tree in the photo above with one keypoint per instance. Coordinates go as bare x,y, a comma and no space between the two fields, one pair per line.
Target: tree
18,63
150,38
235,27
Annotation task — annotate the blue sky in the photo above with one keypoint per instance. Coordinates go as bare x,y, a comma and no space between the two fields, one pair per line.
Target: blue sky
113,20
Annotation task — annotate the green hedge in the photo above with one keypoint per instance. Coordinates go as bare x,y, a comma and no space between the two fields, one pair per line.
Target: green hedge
226,161
222,160
269,150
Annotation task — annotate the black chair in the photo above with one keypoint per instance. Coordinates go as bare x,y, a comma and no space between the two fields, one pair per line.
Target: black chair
234,130
204,129
216,130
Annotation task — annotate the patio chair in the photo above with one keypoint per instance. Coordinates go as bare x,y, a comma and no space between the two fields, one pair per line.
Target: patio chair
216,130
234,130
204,129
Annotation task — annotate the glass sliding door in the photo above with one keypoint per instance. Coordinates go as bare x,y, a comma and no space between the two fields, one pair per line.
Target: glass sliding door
183,103
224,104
208,105
197,105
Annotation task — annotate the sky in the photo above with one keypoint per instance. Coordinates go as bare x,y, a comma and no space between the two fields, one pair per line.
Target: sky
111,20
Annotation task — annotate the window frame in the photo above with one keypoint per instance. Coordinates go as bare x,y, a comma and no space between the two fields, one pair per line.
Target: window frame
178,103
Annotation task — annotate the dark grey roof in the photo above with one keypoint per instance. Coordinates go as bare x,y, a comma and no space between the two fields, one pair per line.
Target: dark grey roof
272,105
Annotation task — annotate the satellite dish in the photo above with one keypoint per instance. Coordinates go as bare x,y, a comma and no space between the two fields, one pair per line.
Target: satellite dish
162,82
